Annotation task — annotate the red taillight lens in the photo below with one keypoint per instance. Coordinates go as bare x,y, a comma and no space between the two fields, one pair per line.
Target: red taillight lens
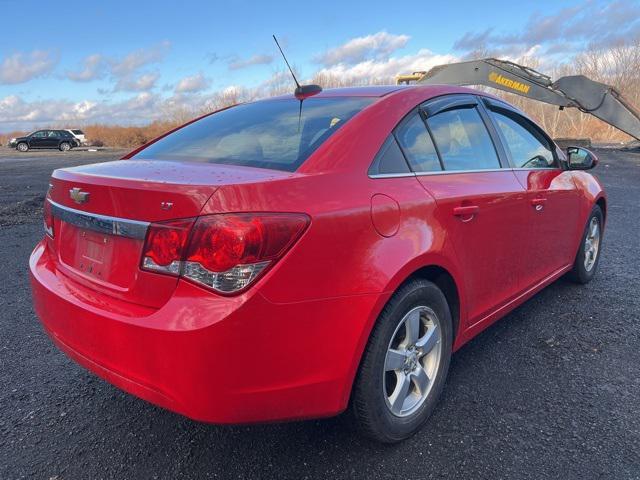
165,245
47,217
223,252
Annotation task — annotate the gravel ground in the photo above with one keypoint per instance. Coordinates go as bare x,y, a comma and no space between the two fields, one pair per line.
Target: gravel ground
551,391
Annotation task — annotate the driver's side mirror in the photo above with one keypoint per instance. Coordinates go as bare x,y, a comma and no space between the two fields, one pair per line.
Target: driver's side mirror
579,158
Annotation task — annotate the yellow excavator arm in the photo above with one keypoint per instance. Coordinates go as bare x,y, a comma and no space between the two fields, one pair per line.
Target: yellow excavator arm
574,91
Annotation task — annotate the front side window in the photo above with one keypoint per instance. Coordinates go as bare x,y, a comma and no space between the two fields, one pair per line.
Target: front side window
463,140
276,134
417,146
527,147
39,134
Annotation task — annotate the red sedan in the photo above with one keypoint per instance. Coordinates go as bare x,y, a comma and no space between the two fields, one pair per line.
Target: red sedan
291,258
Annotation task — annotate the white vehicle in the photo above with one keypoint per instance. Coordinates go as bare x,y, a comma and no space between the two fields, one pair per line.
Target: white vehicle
80,136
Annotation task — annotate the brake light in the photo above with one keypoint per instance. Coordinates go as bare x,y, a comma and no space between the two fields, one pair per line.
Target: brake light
164,246
223,252
47,218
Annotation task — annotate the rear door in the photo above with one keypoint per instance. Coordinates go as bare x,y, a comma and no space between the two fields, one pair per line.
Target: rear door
551,193
482,204
52,140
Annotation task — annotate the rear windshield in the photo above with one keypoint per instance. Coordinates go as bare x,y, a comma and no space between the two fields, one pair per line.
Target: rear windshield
272,134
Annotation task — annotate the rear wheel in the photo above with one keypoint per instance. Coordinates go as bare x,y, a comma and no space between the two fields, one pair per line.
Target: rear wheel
588,257
405,365
65,147
22,147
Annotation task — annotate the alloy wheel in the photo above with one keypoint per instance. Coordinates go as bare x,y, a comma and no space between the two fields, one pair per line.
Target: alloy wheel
592,244
412,361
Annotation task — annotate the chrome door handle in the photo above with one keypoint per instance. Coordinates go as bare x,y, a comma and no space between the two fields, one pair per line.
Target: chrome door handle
538,203
466,211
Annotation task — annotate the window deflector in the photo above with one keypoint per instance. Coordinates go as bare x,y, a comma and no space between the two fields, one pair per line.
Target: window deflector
444,104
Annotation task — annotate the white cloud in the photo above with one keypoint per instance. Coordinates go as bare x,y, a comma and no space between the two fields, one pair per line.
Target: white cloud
263,59
193,83
140,83
92,69
387,69
603,23
360,49
14,110
139,58
16,113
21,67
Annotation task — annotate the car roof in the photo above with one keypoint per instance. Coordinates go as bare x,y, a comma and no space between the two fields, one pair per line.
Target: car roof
384,90
364,91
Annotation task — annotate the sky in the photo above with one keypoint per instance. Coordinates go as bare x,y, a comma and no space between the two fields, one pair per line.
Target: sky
132,62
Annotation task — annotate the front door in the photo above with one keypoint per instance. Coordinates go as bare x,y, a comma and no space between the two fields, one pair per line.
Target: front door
551,194
38,139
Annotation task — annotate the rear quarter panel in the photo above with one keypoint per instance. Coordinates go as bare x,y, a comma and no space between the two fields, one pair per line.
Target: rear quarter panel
342,253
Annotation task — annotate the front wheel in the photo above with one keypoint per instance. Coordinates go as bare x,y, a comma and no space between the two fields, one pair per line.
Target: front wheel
405,365
588,257
22,147
65,147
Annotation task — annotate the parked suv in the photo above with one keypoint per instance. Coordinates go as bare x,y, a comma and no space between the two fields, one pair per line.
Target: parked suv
60,139
78,135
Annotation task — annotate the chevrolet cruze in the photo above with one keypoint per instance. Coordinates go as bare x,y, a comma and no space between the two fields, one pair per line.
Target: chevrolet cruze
295,257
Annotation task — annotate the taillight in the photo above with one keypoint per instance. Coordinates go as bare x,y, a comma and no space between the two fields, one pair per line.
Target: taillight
47,218
164,246
223,252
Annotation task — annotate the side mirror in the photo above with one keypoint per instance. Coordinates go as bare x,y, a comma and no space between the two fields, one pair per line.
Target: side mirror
579,158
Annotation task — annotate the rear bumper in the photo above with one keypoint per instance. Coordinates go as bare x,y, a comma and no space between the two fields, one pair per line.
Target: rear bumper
215,359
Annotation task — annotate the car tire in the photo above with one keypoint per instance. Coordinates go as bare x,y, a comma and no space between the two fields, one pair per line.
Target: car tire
588,256
65,147
389,363
22,147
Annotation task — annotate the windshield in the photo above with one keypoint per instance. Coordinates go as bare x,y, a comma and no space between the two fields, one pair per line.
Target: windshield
267,134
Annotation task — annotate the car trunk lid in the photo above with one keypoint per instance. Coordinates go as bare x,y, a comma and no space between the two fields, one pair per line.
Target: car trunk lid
102,212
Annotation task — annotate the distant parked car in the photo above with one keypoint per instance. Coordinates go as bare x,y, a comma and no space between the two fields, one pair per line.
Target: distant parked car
79,135
60,139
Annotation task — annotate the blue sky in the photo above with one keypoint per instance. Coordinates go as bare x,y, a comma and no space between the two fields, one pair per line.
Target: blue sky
128,62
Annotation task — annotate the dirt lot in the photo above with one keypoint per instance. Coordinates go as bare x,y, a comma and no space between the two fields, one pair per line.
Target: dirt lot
551,391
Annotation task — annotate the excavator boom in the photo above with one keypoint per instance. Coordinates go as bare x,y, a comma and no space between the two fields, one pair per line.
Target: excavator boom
578,91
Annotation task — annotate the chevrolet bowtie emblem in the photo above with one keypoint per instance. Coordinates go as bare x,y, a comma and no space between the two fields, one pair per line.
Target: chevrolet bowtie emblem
78,195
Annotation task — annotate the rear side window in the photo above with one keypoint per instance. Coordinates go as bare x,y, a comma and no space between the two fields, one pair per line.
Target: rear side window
528,147
463,140
276,134
77,132
417,146
389,159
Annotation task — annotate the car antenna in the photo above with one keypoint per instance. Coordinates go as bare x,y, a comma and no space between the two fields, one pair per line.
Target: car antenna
302,91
